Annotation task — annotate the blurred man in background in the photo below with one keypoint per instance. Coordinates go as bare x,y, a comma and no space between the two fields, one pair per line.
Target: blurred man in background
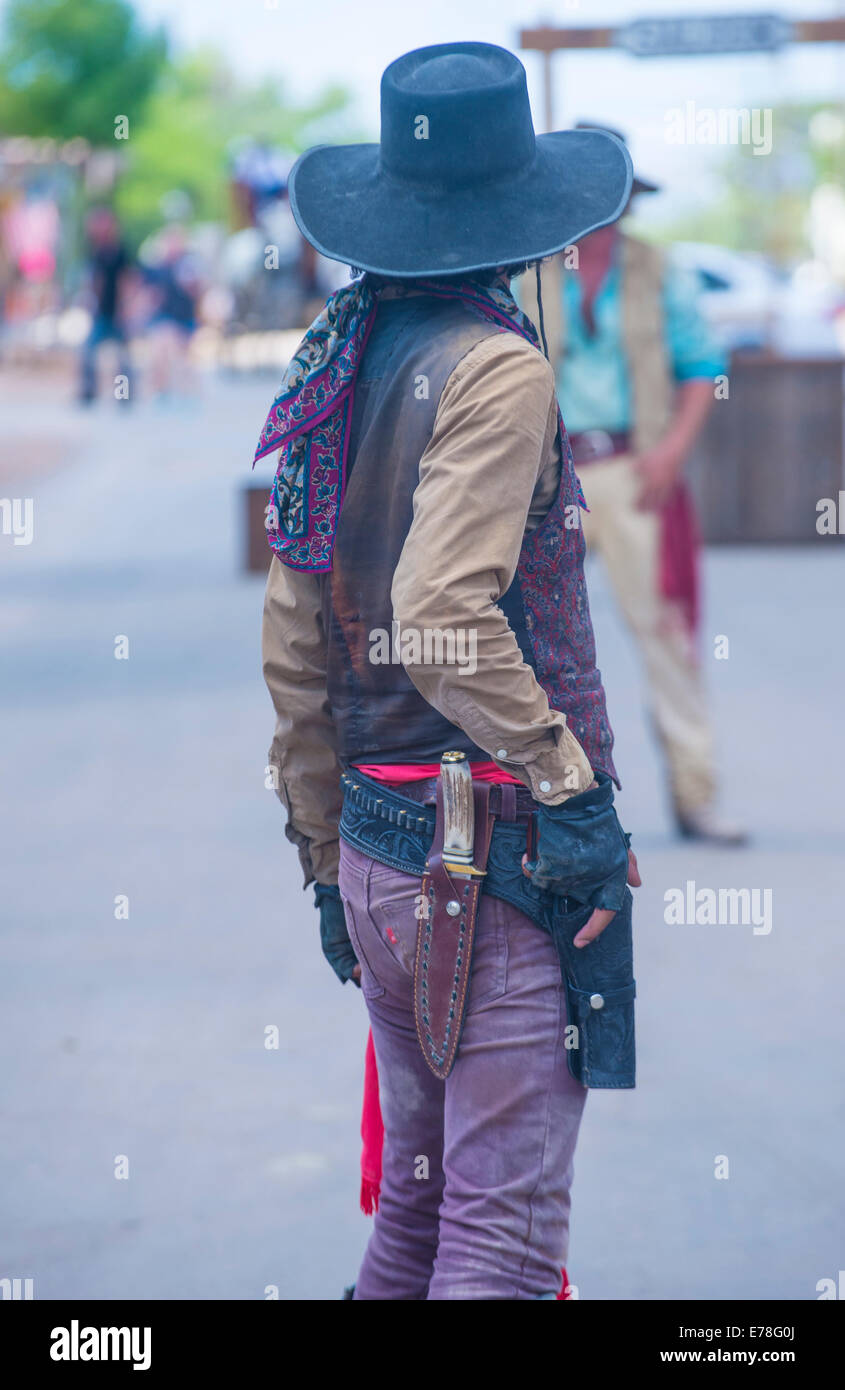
108,265
635,368
174,281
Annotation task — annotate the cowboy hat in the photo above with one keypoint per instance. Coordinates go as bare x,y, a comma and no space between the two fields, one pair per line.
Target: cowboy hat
640,185
459,181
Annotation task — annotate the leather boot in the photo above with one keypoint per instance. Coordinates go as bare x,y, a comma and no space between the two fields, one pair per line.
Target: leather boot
704,825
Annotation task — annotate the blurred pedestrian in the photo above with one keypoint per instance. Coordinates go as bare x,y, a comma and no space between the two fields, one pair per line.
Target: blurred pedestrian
635,367
108,265
175,287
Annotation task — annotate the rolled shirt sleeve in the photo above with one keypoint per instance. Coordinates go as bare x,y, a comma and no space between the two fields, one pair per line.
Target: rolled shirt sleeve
486,475
693,350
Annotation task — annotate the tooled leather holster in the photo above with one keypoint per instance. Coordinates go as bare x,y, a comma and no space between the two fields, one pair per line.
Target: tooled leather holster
445,939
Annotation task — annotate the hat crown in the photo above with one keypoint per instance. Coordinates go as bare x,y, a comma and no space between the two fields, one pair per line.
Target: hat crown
448,72
455,114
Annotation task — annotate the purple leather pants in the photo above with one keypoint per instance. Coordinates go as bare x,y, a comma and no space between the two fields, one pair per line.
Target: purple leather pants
477,1169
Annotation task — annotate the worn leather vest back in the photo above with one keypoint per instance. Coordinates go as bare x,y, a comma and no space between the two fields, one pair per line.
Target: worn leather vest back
415,344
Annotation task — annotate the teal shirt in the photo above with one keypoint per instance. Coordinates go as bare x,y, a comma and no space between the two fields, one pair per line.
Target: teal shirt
593,386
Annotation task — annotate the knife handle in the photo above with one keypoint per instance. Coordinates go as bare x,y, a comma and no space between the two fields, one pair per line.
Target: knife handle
458,808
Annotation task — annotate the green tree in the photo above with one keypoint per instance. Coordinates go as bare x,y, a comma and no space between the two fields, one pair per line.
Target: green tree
70,67
197,110
764,201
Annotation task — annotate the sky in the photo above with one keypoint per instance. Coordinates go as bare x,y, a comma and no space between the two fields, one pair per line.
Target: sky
309,43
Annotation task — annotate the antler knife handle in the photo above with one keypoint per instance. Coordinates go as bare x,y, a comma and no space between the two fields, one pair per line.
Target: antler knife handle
458,808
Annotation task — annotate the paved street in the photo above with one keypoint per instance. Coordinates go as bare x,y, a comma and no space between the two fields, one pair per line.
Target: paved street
145,1037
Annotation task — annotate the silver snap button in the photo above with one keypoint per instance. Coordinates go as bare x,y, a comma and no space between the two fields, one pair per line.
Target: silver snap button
501,752
545,786
596,1001
453,908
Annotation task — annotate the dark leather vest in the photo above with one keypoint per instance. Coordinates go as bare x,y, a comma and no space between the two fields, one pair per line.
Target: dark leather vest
414,346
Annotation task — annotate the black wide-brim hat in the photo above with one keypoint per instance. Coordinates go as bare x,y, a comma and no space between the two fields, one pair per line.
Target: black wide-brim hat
640,185
459,182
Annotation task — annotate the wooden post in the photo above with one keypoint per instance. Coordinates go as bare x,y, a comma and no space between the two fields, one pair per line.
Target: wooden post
257,552
548,90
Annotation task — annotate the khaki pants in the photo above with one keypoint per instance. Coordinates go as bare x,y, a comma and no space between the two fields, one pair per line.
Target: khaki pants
627,540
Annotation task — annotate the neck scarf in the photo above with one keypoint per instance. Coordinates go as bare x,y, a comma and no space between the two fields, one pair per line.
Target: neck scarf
310,418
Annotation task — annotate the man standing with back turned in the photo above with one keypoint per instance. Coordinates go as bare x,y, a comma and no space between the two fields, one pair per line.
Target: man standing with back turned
425,507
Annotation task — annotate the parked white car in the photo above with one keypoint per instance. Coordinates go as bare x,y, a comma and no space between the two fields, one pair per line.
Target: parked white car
751,304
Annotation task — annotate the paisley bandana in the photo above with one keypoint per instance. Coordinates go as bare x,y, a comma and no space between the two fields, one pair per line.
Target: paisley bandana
309,420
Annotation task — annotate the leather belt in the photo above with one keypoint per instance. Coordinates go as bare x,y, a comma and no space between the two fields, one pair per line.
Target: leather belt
589,446
397,829
507,800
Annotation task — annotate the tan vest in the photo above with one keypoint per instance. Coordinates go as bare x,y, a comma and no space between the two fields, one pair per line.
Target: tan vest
643,332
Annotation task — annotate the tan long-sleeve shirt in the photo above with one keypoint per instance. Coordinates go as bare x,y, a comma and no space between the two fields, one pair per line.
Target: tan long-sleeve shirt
490,471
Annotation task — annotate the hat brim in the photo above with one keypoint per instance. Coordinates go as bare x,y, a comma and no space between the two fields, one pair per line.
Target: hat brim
352,211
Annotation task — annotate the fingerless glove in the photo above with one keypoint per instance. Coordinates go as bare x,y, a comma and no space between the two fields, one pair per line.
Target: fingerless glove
334,937
582,850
